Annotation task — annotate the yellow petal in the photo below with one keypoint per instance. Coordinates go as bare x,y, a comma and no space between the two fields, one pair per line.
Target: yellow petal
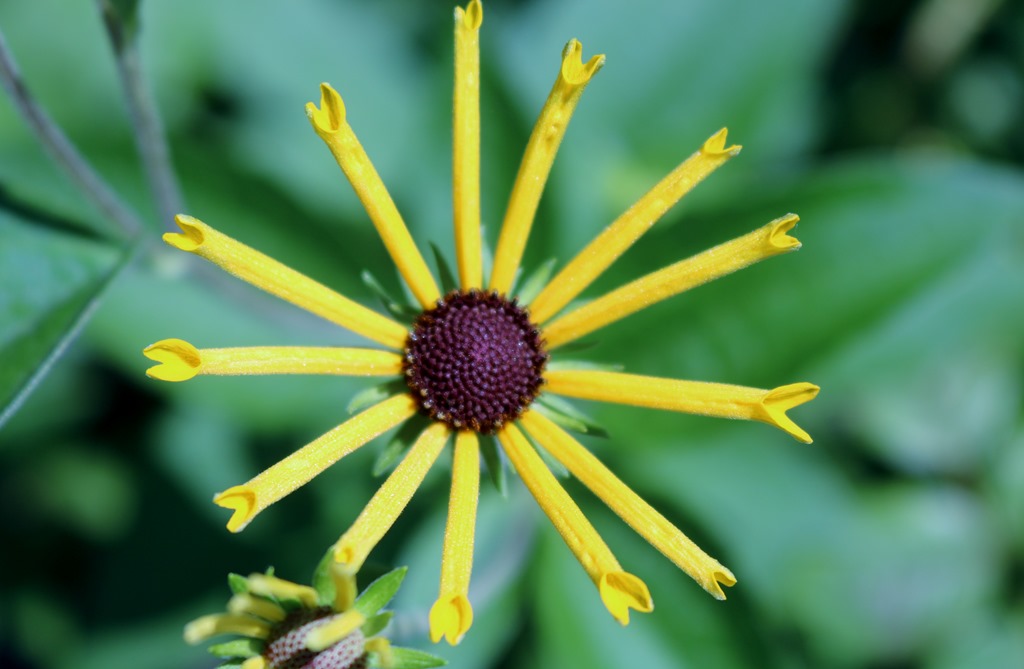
629,506
452,615
267,274
330,124
278,588
638,219
256,606
201,629
466,145
573,77
619,590
724,259
331,633
382,647
707,399
391,499
344,587
255,662
181,361
297,469
178,360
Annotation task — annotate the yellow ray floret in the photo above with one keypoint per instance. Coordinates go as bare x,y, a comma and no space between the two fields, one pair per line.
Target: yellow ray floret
726,258
278,588
255,662
573,77
256,606
707,399
466,145
329,122
620,591
300,467
337,629
452,615
267,274
390,500
203,628
638,219
181,361
344,587
382,647
629,506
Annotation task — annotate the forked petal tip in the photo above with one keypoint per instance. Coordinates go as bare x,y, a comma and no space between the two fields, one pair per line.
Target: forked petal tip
621,591
451,618
178,360
242,501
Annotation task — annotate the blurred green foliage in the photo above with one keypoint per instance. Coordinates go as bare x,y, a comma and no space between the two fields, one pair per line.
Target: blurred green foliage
894,129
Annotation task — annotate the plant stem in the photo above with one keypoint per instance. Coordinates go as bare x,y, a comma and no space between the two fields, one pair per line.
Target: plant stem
61,149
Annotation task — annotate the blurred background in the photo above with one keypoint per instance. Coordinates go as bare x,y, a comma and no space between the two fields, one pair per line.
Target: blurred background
895,130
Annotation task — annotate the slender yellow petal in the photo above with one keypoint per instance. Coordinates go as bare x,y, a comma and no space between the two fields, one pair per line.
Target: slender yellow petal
256,606
278,588
297,469
382,647
331,633
573,77
390,500
344,587
452,615
647,522
255,662
466,145
180,361
706,399
726,258
201,629
620,591
267,274
629,227
329,122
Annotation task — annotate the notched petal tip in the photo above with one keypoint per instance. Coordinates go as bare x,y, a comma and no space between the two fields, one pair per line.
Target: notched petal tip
777,236
715,145
178,360
344,555
621,591
451,618
330,115
777,402
191,237
471,17
718,578
574,71
240,499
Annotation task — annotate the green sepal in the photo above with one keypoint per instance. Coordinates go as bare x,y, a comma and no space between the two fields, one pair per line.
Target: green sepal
495,463
400,310
231,664
403,440
238,648
559,365
535,282
410,658
376,624
369,396
566,415
379,593
554,466
323,583
239,584
576,346
445,275
121,18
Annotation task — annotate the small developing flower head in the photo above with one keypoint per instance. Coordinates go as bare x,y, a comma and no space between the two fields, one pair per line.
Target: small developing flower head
475,360
285,625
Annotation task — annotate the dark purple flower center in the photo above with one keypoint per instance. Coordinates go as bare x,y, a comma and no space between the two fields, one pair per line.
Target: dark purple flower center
286,645
474,361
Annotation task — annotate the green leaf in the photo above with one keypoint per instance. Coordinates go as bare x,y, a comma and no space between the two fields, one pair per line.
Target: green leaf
397,308
239,584
375,624
568,416
379,593
323,583
535,282
237,648
404,438
410,658
445,275
52,282
495,463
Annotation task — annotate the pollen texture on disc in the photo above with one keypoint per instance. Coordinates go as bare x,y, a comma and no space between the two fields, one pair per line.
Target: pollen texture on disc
475,361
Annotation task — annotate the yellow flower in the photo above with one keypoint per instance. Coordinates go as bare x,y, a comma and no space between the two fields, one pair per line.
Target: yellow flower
475,359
